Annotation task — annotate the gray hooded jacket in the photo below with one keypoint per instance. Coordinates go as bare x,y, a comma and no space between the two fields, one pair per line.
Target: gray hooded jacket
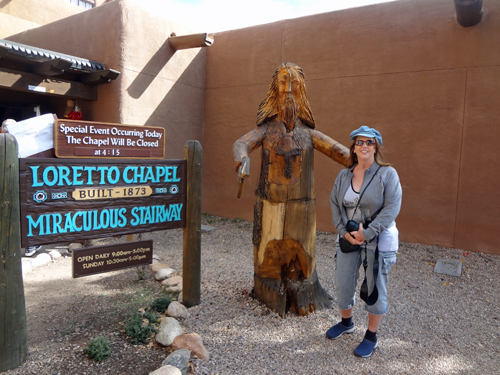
384,192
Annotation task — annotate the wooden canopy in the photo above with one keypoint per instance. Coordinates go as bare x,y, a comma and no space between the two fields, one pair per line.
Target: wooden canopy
27,68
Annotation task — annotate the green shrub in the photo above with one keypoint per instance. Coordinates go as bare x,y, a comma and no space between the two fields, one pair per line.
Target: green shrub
162,303
138,330
98,349
151,316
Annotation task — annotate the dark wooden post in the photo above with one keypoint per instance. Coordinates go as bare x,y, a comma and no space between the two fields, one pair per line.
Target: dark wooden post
191,260
13,330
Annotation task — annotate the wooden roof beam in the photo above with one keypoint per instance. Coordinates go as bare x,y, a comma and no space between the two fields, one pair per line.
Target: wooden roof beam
191,41
102,76
29,82
52,67
469,12
4,50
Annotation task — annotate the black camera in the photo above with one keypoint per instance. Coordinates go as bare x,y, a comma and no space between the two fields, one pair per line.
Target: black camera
353,226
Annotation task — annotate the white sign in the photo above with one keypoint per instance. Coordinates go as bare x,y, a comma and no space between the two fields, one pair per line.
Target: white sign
34,135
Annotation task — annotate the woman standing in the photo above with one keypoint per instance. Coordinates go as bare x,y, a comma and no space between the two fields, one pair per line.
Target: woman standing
365,201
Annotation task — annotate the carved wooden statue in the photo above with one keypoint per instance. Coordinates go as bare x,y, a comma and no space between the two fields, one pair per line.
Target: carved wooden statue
284,234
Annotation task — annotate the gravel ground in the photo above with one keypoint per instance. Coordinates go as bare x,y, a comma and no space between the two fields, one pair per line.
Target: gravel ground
436,324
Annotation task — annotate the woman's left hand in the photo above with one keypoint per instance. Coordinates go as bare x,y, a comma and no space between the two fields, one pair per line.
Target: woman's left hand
359,234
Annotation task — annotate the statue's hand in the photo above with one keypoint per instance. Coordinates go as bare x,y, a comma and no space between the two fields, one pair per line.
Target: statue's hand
243,168
243,172
237,165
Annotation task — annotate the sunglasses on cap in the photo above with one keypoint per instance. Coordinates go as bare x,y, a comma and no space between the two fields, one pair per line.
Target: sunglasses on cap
369,142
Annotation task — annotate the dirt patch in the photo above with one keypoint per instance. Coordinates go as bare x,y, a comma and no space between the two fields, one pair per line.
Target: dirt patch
65,314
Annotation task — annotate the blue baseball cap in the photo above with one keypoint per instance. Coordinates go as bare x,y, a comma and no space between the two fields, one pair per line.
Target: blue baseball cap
365,131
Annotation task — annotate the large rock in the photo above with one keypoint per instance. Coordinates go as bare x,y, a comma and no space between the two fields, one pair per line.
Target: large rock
54,254
158,266
193,342
166,370
41,259
163,273
179,359
172,281
178,310
168,331
175,288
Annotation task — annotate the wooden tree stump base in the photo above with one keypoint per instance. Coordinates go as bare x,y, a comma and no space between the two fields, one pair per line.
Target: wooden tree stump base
300,297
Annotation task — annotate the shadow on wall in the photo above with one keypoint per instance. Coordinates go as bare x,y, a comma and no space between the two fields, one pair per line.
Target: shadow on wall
181,111
151,70
3,3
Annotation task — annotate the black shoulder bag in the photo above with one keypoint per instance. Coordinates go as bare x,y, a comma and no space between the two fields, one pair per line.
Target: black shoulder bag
345,245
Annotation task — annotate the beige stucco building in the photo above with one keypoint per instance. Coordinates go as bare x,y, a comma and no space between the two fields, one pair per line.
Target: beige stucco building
407,68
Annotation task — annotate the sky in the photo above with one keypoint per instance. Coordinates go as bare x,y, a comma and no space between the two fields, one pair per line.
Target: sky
220,15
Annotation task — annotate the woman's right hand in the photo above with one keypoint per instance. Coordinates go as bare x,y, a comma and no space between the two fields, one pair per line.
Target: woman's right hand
352,240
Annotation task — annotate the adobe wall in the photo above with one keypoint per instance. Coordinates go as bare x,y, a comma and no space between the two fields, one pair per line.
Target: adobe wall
407,68
161,86
157,85
13,25
20,15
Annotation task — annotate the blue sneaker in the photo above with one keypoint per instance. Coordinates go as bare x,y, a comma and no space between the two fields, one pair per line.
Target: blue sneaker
31,250
338,330
366,348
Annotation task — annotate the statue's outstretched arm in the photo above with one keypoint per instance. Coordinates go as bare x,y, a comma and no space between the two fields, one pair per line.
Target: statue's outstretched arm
331,148
246,144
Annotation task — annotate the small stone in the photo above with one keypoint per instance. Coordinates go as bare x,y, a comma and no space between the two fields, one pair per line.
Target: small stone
73,246
154,261
193,342
156,257
179,359
206,228
172,281
163,273
166,370
179,298
178,310
448,267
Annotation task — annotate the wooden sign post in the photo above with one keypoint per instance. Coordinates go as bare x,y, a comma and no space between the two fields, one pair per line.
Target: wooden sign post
13,331
191,263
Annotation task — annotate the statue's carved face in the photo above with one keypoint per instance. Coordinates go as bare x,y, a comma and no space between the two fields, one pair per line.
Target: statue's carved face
286,87
289,83
288,95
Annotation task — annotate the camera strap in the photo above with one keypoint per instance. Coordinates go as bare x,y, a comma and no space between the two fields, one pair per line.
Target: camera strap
363,192
370,299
